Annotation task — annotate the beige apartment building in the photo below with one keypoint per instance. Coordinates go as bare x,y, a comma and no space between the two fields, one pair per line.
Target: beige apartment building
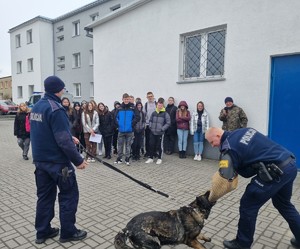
6,87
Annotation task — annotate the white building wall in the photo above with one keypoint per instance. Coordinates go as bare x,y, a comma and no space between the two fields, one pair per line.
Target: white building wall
139,52
40,50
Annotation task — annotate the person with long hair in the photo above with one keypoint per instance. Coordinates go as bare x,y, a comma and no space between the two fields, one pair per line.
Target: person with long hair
106,128
76,129
183,118
20,131
69,110
198,126
90,123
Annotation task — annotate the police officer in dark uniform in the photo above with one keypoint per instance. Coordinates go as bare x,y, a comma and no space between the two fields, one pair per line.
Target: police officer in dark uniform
248,153
54,151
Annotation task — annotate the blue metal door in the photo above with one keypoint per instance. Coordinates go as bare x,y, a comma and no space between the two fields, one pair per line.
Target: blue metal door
284,117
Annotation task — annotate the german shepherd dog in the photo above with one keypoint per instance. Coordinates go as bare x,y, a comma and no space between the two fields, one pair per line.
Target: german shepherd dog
154,229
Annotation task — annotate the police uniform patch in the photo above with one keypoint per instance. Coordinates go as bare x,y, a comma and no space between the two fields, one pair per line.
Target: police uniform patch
223,164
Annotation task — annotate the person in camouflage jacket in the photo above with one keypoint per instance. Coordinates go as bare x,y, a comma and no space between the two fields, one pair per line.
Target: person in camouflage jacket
232,116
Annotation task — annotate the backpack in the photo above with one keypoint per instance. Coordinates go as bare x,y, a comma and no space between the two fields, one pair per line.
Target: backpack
27,123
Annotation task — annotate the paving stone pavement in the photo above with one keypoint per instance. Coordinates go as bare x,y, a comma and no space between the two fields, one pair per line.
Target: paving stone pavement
109,200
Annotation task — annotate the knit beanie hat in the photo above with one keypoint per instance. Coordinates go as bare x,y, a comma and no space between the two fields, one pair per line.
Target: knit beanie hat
53,84
116,103
228,99
76,104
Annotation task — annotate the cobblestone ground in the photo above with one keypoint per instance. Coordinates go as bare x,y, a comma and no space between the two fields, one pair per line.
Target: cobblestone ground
108,200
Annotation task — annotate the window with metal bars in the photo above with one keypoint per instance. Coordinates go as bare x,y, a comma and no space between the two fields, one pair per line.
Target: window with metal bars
203,55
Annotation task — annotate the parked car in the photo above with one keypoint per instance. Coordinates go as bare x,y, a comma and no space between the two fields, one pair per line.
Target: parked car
8,107
36,96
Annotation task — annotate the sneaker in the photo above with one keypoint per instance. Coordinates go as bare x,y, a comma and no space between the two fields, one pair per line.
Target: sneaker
88,160
127,161
159,161
199,158
150,160
54,232
295,243
93,160
79,235
118,161
196,157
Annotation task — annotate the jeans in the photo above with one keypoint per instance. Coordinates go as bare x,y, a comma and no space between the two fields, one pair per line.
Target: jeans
24,144
182,139
258,193
124,138
198,142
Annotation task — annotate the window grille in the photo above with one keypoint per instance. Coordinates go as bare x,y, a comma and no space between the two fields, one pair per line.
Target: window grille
204,55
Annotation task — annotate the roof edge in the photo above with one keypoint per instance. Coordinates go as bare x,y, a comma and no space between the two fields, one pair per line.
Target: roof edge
80,9
35,19
127,8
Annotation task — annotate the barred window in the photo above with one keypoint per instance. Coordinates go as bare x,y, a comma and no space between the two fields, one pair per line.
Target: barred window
203,55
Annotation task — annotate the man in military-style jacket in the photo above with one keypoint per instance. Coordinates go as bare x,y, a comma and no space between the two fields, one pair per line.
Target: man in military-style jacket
232,116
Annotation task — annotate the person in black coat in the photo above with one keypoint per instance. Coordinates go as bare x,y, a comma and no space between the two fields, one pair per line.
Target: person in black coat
116,131
106,128
171,132
20,132
76,128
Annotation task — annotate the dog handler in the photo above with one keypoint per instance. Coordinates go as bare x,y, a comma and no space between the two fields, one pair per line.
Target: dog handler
53,151
273,170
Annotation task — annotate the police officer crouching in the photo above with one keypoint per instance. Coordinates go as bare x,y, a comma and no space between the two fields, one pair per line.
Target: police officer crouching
54,151
249,153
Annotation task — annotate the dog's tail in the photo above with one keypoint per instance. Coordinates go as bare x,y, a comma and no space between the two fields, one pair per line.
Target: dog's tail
120,240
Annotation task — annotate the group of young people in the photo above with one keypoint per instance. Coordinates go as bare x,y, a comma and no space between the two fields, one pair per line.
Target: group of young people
147,130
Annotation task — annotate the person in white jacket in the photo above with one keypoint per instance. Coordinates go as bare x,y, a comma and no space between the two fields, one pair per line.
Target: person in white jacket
90,123
198,126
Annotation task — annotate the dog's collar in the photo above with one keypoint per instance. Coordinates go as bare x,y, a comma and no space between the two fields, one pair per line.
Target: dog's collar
196,214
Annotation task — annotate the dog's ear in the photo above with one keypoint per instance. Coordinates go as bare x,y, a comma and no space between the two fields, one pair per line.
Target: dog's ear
207,193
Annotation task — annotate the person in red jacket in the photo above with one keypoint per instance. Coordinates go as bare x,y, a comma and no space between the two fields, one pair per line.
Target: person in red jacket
183,118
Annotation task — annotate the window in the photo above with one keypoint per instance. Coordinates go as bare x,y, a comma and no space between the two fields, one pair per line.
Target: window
76,60
60,59
61,67
115,7
18,41
91,57
60,38
30,64
29,36
203,54
6,84
91,89
59,29
20,92
30,90
94,17
76,28
77,90
19,66
1,85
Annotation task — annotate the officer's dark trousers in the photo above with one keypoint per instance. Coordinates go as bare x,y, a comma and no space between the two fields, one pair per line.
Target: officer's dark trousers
258,193
48,177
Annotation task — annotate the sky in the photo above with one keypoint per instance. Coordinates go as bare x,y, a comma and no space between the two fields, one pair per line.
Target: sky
15,12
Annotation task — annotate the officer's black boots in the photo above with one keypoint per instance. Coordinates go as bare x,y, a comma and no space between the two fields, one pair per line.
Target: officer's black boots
233,244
